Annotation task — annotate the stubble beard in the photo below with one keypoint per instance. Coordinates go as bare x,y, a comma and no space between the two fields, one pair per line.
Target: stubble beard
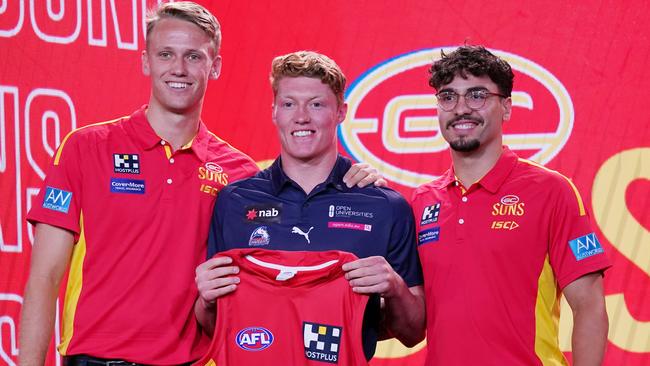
464,145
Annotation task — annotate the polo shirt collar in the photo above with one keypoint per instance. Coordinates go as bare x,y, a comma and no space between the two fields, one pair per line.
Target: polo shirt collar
147,138
335,179
491,181
494,179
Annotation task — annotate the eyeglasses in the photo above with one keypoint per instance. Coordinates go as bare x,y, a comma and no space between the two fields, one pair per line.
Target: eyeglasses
474,99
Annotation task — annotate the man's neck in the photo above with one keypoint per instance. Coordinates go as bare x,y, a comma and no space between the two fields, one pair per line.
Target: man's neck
469,167
309,173
177,129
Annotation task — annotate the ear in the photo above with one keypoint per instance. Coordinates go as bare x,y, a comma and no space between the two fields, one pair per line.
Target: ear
507,106
145,63
215,70
341,113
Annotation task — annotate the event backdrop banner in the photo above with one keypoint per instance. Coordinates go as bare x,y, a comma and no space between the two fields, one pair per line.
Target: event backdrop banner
580,106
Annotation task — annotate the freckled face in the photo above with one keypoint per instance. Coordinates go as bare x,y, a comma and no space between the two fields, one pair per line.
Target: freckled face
306,114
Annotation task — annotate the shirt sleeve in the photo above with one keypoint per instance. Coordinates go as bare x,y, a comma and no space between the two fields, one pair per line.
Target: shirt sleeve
58,202
402,251
574,248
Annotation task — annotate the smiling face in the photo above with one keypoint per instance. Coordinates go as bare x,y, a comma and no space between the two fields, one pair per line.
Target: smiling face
180,58
306,113
467,130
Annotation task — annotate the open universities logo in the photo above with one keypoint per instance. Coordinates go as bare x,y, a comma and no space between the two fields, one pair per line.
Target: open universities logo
392,120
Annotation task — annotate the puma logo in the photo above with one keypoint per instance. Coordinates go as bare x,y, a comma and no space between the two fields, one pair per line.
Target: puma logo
296,230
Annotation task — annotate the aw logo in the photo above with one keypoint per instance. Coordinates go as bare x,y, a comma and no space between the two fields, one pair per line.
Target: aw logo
57,199
254,339
392,119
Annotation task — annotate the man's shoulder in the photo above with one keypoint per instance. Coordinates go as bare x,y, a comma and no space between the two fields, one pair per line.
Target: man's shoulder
433,186
537,174
93,132
261,181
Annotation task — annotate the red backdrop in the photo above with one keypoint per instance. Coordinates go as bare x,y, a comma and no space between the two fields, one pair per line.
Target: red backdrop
580,107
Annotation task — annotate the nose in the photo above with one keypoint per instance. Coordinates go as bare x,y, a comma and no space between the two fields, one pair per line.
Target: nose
178,67
461,107
302,115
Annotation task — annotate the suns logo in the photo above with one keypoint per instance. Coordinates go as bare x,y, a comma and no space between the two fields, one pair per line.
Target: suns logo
387,129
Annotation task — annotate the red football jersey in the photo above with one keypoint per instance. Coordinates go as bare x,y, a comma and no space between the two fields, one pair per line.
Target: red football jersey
290,308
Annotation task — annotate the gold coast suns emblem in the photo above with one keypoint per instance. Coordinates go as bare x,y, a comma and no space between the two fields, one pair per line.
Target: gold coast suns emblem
392,121
215,176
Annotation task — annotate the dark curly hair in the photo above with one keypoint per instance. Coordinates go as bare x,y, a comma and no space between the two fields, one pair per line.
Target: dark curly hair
477,61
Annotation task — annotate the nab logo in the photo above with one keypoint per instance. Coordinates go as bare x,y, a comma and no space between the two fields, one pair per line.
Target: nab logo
57,199
263,213
430,214
585,246
254,339
400,131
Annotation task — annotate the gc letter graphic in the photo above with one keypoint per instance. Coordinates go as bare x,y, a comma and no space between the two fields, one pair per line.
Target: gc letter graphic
398,132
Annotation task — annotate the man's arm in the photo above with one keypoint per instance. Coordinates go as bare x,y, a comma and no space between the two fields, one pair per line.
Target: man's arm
403,310
214,278
50,257
590,324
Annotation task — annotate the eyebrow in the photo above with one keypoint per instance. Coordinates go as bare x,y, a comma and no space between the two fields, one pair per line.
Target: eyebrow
474,88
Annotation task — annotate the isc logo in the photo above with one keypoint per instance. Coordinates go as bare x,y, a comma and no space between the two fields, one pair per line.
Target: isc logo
254,339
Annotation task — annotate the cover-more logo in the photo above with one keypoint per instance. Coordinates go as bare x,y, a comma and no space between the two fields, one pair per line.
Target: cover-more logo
400,132
322,341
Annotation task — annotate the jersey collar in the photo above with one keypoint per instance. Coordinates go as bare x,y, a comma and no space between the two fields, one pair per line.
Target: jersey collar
491,181
335,179
147,138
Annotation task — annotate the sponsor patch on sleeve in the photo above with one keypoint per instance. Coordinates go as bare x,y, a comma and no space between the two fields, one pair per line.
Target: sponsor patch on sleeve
122,185
585,246
57,199
429,235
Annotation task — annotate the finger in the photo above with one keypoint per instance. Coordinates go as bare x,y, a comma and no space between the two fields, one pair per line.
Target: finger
218,272
209,289
381,182
363,262
379,288
213,262
212,295
353,171
369,179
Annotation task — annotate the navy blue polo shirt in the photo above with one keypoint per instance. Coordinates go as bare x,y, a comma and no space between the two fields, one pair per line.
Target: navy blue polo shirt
271,211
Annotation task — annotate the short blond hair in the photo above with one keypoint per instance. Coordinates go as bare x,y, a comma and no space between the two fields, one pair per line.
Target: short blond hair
308,64
190,12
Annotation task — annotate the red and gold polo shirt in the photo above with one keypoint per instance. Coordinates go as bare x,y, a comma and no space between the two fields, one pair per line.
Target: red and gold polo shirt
140,214
495,257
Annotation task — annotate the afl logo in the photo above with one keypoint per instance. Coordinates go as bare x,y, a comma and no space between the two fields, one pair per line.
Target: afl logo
254,339
392,120
510,200
213,167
